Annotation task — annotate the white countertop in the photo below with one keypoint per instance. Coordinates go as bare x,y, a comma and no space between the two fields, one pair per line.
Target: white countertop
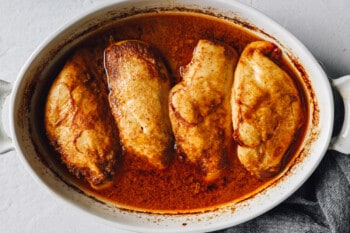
323,26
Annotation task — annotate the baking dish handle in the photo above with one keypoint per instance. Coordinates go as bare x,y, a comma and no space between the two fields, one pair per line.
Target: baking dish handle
6,144
341,143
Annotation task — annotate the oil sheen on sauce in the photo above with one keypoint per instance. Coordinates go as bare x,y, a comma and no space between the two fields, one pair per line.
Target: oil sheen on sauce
179,188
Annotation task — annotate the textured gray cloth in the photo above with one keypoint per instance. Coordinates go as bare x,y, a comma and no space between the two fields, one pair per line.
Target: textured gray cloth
321,205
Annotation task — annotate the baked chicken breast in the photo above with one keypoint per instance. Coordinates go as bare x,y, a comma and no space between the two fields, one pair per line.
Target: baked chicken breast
79,123
266,109
200,110
139,88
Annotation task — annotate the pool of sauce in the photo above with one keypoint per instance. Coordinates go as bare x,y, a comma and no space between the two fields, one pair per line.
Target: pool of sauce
178,188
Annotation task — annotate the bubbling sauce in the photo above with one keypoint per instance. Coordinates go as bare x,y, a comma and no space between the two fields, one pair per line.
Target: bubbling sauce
178,188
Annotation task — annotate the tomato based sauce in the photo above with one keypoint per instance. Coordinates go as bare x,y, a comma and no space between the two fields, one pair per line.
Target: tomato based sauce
180,187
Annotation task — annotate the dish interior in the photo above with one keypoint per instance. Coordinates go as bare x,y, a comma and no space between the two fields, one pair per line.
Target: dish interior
179,188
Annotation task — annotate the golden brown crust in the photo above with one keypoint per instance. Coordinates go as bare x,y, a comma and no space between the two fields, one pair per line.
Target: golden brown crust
266,109
200,110
139,86
78,121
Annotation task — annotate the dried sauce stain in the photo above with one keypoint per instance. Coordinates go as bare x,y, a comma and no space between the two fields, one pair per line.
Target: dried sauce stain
178,188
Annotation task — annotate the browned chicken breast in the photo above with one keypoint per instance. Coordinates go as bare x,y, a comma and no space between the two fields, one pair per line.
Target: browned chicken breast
139,88
266,109
79,123
200,110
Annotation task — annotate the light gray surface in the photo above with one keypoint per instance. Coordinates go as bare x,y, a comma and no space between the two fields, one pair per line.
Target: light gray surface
323,26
